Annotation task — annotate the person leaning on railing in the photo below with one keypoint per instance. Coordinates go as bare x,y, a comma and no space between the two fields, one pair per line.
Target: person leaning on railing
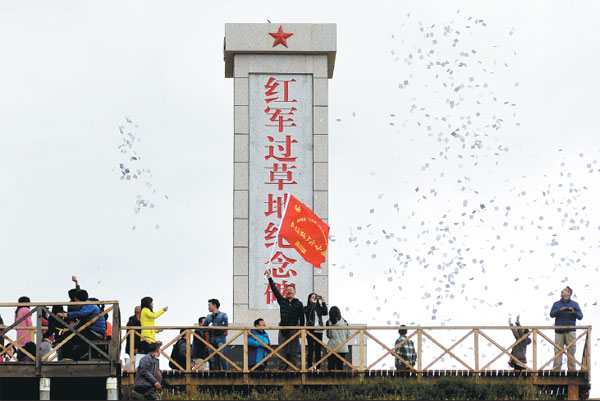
565,311
147,318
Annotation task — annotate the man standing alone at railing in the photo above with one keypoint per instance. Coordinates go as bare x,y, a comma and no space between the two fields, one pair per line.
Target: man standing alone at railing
566,311
291,313
406,351
217,337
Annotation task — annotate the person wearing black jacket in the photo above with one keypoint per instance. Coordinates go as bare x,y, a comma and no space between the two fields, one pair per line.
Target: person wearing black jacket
134,320
73,295
179,352
314,311
291,313
199,349
1,338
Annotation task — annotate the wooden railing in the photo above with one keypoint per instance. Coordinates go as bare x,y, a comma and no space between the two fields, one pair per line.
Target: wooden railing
428,341
11,346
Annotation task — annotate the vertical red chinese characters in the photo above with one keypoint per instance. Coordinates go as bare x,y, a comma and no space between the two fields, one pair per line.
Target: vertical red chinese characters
280,162
281,153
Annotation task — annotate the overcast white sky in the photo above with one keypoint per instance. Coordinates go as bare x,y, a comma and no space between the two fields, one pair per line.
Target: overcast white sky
71,71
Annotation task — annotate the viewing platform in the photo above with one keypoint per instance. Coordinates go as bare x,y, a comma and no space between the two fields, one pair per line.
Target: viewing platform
479,353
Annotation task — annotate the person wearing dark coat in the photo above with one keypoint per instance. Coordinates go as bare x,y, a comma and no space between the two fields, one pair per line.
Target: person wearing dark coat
54,327
199,349
1,338
314,311
134,320
291,313
178,354
73,296
519,351
22,356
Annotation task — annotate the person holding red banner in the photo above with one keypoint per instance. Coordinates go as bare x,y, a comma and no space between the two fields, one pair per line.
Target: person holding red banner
291,313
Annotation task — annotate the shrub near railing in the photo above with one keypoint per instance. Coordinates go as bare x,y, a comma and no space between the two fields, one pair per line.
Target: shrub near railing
456,388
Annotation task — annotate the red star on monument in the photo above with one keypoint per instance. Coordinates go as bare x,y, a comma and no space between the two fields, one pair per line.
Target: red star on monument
280,37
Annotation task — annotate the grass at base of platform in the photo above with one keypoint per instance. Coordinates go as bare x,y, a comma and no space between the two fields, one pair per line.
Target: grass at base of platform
381,389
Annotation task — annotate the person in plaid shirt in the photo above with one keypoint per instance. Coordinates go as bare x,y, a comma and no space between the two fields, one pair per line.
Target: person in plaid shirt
406,351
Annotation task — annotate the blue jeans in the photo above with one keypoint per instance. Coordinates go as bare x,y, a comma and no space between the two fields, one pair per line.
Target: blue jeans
216,362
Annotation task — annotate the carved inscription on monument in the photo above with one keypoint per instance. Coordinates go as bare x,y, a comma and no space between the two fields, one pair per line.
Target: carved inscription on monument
281,162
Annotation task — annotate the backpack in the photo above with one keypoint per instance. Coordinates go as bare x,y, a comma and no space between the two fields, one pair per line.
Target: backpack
176,356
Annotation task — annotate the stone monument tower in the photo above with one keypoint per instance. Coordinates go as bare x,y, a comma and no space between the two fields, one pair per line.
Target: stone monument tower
280,74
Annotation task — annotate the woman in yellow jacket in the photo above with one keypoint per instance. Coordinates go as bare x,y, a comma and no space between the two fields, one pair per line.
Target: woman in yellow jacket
147,319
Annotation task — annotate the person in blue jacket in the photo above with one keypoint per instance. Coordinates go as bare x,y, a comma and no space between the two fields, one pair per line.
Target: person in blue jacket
565,311
94,331
217,337
256,351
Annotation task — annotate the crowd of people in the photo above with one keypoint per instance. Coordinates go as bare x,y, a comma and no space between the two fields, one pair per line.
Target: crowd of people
293,313
54,332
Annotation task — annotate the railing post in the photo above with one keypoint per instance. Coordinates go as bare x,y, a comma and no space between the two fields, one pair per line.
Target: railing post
131,350
38,341
589,351
303,350
534,335
361,363
188,361
188,349
245,335
420,352
476,348
115,337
